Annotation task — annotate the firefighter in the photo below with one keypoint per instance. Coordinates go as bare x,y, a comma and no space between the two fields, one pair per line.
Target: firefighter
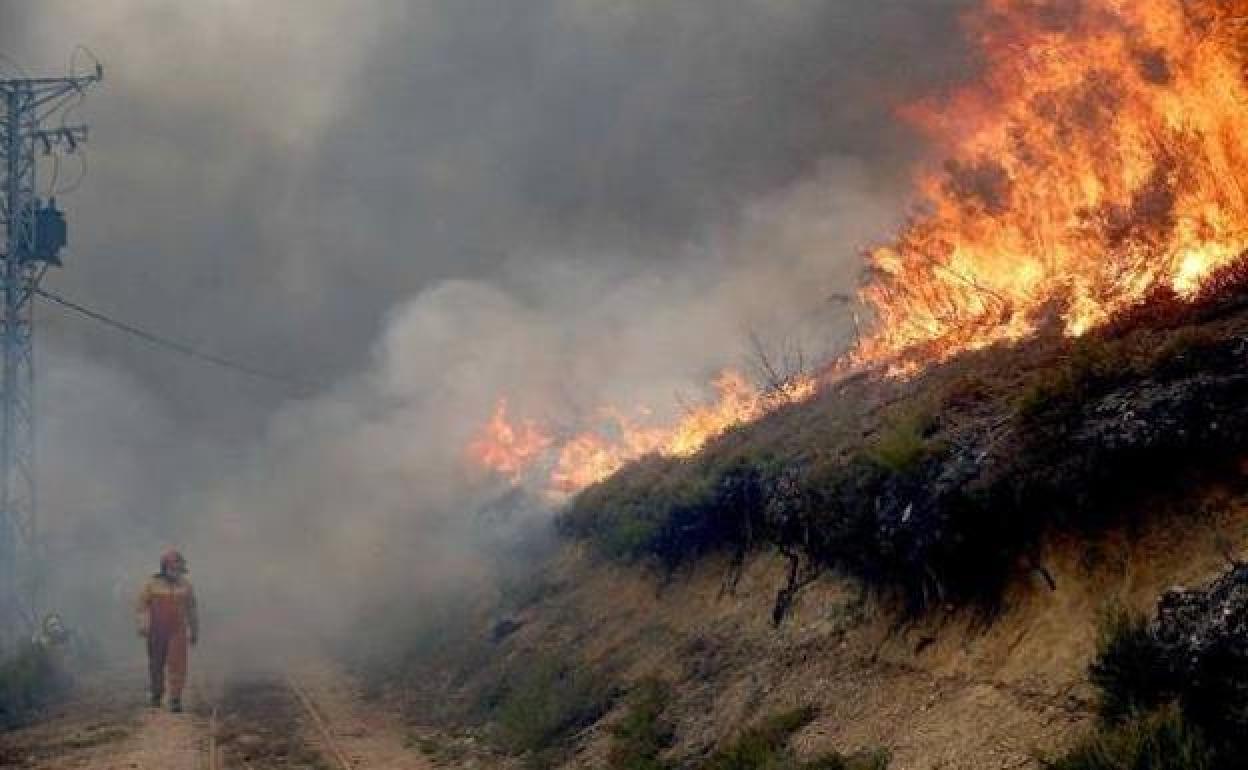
168,620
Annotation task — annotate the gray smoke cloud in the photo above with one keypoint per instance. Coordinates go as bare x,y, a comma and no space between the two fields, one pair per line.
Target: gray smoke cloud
419,207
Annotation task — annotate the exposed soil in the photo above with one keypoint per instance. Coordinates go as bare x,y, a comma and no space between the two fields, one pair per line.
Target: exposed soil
261,725
950,689
367,734
106,725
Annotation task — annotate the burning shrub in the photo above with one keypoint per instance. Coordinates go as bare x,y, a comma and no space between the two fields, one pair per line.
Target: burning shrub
945,509
1090,166
1224,289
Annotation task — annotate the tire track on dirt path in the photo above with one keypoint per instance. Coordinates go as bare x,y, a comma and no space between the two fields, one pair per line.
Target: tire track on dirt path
361,736
306,716
330,743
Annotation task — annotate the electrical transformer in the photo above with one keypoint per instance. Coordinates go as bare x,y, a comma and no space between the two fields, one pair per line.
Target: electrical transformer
51,234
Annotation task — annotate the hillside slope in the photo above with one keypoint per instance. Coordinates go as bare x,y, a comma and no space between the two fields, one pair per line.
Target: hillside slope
916,569
951,689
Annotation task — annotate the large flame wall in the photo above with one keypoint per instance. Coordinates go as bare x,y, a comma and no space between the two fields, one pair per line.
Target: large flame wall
1100,156
1097,157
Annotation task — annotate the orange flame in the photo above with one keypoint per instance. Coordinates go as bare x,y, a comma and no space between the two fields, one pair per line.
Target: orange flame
506,448
1100,157
591,456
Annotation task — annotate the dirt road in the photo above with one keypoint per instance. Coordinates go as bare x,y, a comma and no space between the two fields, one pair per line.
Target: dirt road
305,718
107,726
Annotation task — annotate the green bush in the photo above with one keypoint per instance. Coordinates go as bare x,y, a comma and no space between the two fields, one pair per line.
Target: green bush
643,733
547,701
29,680
627,538
903,444
766,747
1161,741
669,510
867,760
1129,669
1092,364
1151,718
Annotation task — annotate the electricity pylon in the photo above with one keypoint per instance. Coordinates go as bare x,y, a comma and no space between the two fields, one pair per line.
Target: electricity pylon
34,235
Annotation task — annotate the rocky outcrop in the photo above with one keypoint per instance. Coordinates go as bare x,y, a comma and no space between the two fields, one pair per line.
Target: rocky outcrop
1202,635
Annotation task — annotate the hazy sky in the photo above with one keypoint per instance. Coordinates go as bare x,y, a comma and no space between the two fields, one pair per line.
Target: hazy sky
573,198
269,179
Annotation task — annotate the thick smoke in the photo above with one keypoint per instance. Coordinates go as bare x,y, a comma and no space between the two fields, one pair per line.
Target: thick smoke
418,207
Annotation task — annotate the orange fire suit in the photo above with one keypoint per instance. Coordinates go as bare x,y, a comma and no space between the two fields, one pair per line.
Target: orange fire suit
166,615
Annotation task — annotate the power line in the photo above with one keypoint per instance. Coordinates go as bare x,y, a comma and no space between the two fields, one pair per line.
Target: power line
171,345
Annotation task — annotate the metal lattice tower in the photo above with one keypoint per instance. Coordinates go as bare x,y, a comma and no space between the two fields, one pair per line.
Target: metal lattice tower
27,106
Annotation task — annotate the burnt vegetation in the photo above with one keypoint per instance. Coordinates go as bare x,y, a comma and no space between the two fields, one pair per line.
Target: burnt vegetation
940,488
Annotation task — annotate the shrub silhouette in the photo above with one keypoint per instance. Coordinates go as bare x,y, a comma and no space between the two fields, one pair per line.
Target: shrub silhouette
1130,668
1161,741
29,680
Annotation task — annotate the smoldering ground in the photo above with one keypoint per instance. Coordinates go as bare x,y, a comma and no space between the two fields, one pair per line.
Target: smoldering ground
417,207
